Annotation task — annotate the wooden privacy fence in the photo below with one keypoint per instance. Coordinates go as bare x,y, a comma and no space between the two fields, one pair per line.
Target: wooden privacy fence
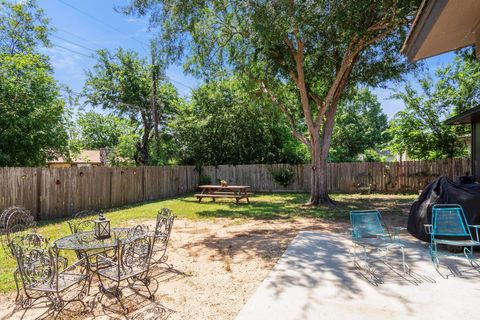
408,176
51,193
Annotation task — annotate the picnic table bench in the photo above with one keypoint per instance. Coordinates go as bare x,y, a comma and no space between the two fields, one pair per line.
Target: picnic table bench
218,191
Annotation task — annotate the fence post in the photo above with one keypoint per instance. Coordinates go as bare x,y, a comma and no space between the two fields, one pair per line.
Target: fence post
111,188
38,195
143,183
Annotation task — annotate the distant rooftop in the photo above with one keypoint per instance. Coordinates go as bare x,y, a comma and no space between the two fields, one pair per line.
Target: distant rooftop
85,156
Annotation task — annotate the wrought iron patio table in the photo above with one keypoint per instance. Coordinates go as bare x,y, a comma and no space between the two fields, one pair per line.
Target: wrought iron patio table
86,241
90,246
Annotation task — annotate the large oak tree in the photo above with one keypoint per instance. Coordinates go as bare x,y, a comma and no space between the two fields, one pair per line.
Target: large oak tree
321,48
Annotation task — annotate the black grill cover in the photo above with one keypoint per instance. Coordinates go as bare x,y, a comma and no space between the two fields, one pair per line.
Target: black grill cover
443,191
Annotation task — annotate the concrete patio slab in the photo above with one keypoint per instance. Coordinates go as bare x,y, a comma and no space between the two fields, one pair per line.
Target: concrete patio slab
315,279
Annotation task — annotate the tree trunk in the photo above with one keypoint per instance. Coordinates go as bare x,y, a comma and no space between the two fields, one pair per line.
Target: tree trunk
319,188
143,155
153,102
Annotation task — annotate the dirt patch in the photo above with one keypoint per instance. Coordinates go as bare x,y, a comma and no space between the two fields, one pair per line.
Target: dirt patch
217,265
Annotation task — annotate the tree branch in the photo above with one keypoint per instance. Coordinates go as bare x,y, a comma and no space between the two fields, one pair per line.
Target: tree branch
291,120
342,75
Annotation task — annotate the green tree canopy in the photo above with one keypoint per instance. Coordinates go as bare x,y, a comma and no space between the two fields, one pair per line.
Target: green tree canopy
33,119
359,126
458,82
23,26
121,82
224,125
118,135
318,48
419,129
102,131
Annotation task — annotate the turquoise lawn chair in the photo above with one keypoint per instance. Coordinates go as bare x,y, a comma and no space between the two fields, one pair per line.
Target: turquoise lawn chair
369,232
450,227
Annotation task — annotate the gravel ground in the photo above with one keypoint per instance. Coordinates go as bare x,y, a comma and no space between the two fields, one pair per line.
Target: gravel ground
217,265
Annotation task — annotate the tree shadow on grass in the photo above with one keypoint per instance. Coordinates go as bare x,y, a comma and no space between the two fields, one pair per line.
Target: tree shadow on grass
293,205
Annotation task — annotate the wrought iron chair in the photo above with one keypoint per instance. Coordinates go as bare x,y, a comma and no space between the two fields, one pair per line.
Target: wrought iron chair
368,231
12,220
450,227
21,235
15,222
44,274
161,235
82,221
131,265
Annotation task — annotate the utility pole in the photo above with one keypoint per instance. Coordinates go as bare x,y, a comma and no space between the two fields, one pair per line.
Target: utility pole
153,100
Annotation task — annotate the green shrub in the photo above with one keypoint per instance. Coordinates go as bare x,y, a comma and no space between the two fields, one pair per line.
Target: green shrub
204,179
284,176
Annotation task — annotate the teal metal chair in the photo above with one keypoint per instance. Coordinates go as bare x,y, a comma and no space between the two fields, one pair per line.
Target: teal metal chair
369,232
450,228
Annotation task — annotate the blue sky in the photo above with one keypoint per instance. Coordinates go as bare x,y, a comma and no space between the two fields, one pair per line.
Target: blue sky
86,25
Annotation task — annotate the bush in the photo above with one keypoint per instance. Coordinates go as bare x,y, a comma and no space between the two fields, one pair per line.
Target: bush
284,176
204,179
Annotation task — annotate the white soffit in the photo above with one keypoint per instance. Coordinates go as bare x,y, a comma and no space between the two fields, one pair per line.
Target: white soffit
442,26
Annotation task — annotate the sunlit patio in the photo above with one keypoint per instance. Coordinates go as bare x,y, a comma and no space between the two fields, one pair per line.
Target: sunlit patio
315,278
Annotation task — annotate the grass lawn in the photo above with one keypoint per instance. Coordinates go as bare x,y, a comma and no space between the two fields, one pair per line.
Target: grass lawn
263,206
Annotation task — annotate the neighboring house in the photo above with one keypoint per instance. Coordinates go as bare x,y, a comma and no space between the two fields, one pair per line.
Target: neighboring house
86,158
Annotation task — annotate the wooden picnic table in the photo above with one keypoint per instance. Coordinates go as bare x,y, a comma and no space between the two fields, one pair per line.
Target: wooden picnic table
218,191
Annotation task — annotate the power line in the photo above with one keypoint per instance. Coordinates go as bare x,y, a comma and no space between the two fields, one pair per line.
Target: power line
75,35
74,43
82,54
180,83
78,94
107,25
73,51
101,21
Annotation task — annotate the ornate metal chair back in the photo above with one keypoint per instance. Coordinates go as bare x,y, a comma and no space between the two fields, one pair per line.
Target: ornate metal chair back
136,232
14,220
82,221
36,261
15,215
163,226
135,251
81,226
25,237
